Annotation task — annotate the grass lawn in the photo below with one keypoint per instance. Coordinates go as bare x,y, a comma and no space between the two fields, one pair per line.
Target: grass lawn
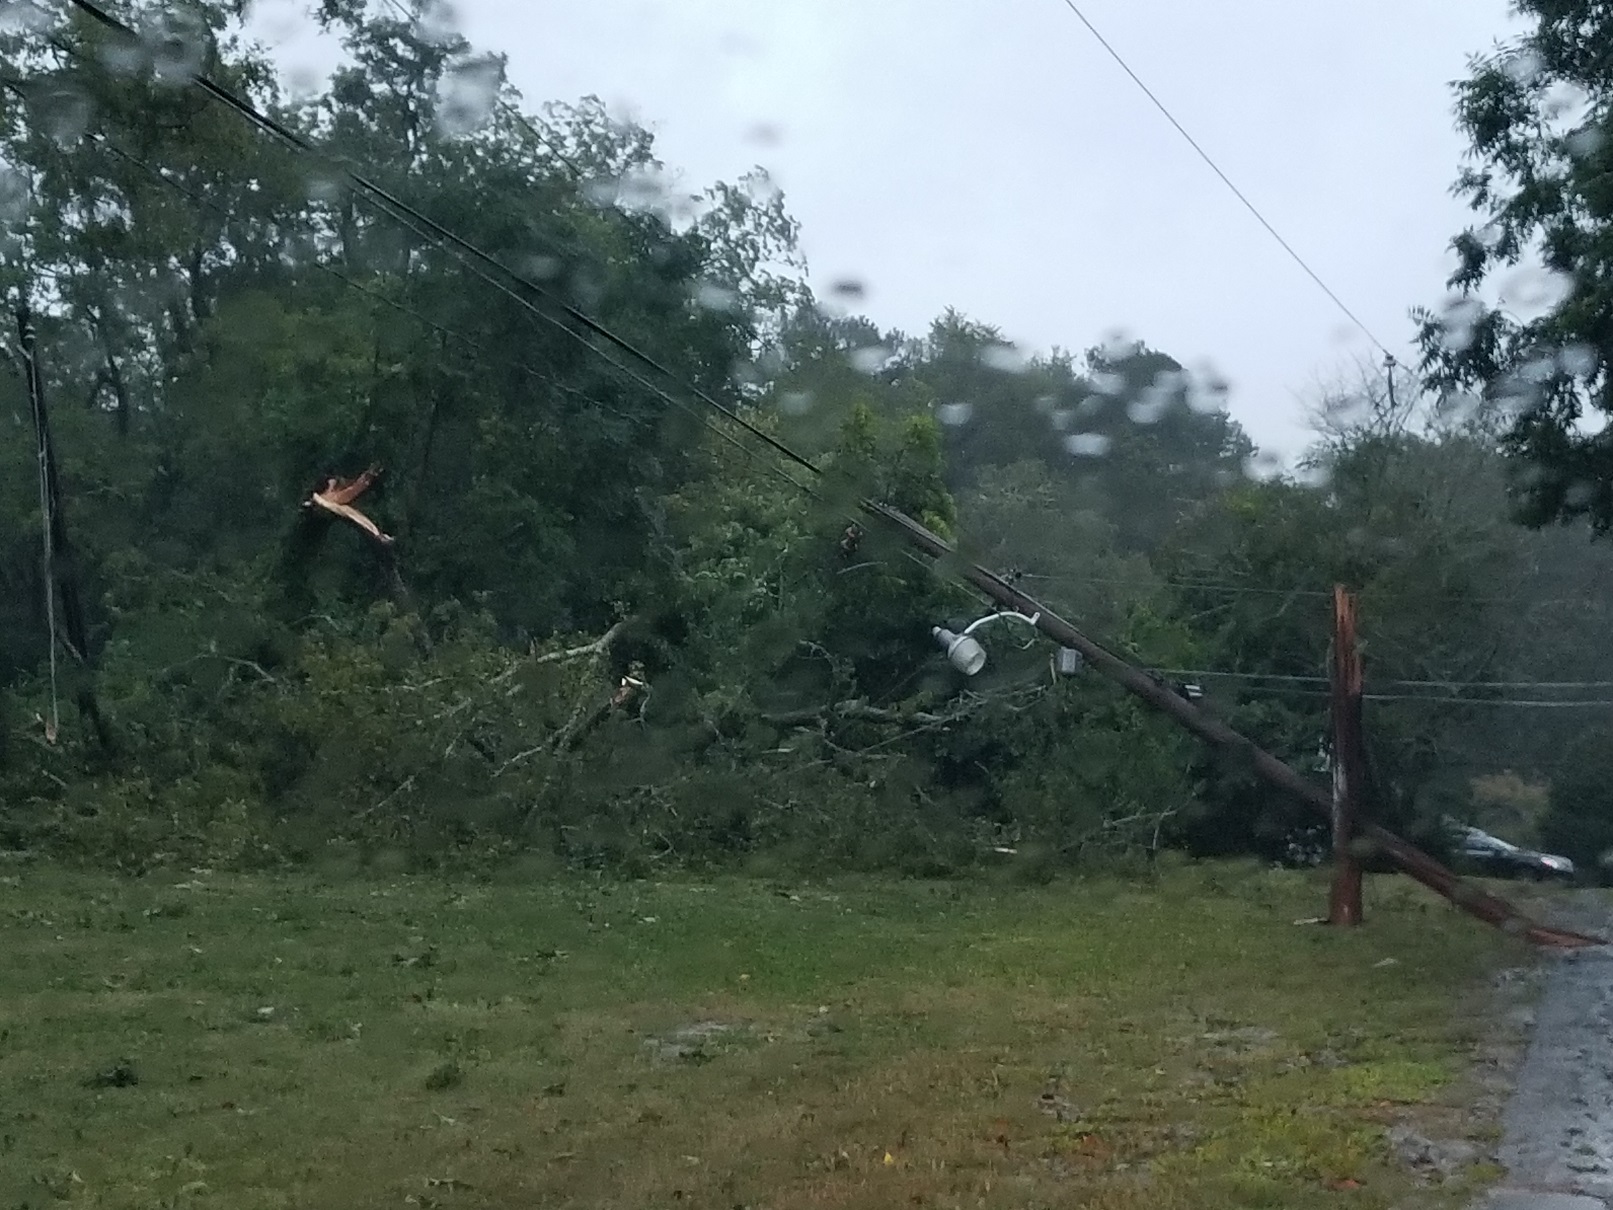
244,1042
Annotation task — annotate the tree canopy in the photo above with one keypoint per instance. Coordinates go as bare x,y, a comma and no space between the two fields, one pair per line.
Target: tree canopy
613,623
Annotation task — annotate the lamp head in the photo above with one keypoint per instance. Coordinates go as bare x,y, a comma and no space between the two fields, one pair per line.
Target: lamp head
962,652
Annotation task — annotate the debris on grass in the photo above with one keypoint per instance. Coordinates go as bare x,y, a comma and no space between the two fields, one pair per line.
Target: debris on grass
120,1075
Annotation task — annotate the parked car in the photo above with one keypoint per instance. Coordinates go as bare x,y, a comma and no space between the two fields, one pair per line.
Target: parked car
1485,854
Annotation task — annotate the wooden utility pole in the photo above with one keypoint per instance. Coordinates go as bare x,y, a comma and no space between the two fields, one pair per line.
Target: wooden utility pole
1349,777
1473,899
59,566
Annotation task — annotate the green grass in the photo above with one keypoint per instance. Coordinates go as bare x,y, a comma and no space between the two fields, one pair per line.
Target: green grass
250,1042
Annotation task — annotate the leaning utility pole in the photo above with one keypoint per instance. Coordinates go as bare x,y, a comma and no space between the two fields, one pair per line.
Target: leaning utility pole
1349,778
1472,899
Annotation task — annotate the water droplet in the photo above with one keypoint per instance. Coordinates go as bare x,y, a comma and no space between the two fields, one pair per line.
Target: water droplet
1091,406
1459,322
760,187
1107,382
24,17
1045,404
544,268
1005,358
65,114
1262,464
870,359
1585,142
304,81
765,134
1577,360
1523,65
1539,369
1062,419
1149,406
178,42
714,297
1536,288
954,414
438,22
1207,391
1565,99
123,58
1460,407
795,403
848,288
1118,345
1087,445
324,190
644,188
467,94
13,197
1171,381
602,191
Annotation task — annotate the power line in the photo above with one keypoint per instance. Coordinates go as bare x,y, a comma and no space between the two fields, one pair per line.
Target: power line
1291,679
1225,179
1234,590
1535,703
1439,699
396,208
443,330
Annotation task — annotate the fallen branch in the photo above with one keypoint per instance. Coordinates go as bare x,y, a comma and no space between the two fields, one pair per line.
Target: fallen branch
855,709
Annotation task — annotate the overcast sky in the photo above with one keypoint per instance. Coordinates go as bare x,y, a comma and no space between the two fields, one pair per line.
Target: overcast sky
989,155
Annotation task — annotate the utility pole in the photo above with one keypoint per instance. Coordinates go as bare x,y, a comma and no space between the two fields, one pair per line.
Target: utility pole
1472,899
59,564
1344,901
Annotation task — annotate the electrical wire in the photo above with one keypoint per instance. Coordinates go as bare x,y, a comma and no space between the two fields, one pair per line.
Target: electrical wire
1237,590
1536,703
446,332
403,215
445,237
1273,681
1225,179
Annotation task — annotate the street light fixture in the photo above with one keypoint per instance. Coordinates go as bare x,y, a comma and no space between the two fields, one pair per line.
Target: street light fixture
965,653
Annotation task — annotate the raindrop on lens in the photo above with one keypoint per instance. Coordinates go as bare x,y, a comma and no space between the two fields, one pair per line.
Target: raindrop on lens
23,17
954,414
870,359
1087,445
1004,358
13,197
1459,323
1577,360
467,94
1107,382
716,298
177,42
66,113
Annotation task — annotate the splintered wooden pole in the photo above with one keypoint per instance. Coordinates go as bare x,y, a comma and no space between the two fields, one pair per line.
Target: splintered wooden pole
1344,900
1475,900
